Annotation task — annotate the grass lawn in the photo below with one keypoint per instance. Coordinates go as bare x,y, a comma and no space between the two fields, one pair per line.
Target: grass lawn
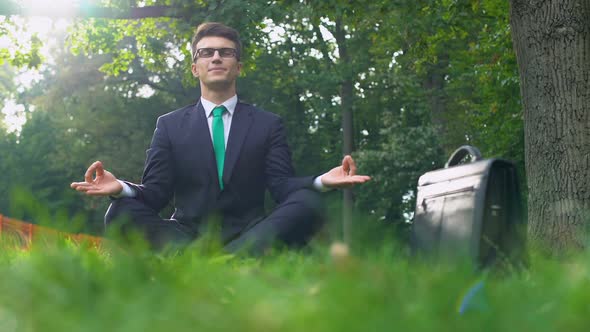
67,287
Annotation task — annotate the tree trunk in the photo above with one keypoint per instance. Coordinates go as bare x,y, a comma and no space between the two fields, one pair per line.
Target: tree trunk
552,43
346,94
434,84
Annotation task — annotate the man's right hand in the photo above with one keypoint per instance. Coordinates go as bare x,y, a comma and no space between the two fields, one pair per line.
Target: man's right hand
104,182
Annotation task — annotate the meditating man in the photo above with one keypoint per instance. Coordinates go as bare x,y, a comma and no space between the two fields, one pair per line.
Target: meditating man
216,158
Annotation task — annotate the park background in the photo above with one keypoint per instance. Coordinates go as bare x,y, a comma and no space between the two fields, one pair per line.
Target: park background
417,82
400,84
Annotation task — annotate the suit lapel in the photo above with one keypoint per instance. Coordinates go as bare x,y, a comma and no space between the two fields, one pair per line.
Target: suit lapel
240,124
199,135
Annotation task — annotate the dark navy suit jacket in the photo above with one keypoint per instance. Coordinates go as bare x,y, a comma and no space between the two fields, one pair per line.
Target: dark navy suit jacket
181,164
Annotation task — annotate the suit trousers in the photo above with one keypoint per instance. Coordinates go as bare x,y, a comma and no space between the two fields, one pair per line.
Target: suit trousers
292,223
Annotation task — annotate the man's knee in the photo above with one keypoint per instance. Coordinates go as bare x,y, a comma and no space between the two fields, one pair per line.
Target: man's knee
310,201
121,209
301,209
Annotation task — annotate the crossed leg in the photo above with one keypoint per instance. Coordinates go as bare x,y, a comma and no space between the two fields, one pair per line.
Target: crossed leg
292,223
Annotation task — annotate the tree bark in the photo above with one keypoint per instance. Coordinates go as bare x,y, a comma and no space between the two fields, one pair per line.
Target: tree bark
552,43
434,84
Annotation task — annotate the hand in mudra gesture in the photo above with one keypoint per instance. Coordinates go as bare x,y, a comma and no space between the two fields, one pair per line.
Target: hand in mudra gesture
98,182
344,176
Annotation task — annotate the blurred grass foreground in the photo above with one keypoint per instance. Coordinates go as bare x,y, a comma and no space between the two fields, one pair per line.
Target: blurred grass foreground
67,285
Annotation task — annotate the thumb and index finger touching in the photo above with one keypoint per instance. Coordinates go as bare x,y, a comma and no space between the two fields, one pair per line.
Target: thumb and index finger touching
349,167
97,168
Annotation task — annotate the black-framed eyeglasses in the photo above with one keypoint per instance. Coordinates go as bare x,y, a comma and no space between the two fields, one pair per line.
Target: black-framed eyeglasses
208,52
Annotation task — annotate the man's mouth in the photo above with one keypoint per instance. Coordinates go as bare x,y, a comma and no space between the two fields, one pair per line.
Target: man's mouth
217,69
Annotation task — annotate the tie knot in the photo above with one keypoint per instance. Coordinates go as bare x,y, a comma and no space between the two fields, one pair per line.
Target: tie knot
218,111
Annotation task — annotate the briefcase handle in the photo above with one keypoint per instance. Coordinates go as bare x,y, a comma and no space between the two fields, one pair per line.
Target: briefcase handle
461,152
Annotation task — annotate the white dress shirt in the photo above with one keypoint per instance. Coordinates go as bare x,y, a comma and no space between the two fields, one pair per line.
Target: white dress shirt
230,106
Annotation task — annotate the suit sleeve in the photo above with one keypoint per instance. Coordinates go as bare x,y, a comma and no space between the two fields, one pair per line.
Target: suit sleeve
157,183
279,172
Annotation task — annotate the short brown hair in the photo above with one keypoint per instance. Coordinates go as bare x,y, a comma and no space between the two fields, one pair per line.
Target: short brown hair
214,29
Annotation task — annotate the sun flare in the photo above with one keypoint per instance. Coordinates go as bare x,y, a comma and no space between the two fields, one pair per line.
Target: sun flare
63,7
18,39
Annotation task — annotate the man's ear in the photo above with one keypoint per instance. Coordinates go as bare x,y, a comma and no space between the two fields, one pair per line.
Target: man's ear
239,68
194,70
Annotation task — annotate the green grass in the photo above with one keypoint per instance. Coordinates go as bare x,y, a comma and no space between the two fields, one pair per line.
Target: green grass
65,287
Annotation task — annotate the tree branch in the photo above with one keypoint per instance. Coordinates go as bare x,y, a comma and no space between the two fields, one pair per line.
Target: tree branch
131,13
322,45
140,79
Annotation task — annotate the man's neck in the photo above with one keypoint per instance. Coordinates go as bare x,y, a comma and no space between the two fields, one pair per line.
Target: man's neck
217,96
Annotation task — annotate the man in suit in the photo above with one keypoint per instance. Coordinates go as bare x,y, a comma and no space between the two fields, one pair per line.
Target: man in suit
216,158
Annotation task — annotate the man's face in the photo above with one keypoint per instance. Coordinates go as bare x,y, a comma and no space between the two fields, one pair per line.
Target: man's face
216,72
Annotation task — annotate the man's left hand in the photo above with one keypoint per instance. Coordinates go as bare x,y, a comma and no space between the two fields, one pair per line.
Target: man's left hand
344,176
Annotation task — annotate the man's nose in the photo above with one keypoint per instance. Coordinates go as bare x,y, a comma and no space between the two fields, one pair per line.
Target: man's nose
216,55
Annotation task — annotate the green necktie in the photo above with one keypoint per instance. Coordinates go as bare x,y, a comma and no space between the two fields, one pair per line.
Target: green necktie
219,141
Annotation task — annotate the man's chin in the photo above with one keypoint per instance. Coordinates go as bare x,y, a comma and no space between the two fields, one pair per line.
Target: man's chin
219,84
